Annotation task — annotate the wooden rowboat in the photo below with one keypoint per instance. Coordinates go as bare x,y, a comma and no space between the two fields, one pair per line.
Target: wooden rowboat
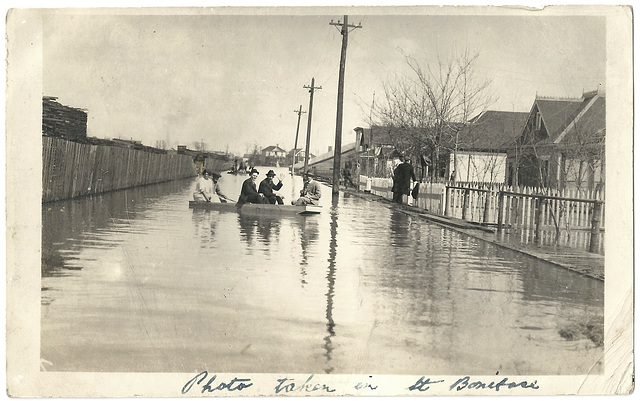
257,209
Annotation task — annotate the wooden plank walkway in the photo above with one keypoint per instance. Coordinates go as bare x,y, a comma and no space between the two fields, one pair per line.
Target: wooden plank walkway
577,260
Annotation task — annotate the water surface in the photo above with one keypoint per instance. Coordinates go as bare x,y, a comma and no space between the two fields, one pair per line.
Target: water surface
135,281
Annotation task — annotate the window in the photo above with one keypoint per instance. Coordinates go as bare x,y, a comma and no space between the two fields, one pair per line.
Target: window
538,121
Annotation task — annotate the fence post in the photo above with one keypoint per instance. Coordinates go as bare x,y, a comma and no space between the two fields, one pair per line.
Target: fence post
465,203
485,216
446,200
538,220
594,242
500,209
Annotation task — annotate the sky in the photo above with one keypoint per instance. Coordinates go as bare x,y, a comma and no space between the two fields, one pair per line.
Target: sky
234,82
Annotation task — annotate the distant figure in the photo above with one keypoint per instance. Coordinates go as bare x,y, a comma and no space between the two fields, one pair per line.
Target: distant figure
204,188
311,192
402,176
346,175
249,193
267,187
217,192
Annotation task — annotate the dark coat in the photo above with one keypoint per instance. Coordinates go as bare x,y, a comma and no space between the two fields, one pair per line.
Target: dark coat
249,193
402,176
267,187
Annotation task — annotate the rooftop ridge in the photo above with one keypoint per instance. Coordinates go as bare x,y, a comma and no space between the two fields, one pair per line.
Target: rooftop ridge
560,98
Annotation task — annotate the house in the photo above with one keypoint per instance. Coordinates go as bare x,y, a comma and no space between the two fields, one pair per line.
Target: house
376,150
273,151
480,147
562,144
322,165
297,155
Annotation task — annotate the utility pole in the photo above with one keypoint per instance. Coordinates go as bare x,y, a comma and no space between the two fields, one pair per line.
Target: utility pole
337,153
295,146
306,152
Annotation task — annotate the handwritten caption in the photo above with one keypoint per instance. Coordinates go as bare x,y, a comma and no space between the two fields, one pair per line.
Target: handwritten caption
208,383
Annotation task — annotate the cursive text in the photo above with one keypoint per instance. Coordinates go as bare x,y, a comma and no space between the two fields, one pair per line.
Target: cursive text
234,385
288,385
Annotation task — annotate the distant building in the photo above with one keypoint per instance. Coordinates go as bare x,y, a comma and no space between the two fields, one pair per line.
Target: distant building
322,165
273,156
273,151
297,155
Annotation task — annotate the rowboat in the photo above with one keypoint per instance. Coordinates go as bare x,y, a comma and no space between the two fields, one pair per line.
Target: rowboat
257,209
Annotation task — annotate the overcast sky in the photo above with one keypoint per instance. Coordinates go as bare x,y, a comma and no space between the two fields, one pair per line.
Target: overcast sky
234,81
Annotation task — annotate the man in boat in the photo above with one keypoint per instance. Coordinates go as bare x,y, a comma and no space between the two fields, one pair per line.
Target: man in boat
217,192
249,192
311,192
267,187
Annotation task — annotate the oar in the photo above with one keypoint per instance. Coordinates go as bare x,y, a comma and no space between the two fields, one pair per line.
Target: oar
205,196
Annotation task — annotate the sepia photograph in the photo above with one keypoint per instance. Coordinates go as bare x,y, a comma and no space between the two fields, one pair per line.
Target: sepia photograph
319,201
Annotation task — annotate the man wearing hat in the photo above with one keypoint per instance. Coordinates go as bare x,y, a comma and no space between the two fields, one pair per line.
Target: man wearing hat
402,176
311,192
267,187
216,188
249,192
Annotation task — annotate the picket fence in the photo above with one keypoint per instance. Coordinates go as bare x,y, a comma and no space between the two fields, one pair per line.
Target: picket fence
544,216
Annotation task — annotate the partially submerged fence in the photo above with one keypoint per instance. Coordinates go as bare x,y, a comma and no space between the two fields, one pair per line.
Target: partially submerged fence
71,169
537,215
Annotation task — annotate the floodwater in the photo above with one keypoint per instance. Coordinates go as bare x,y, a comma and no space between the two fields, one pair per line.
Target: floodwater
135,281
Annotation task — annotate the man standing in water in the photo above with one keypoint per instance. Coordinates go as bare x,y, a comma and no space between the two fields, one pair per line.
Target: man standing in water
311,192
402,176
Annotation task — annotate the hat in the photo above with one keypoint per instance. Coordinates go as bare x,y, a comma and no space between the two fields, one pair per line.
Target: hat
309,174
206,172
253,170
215,175
271,173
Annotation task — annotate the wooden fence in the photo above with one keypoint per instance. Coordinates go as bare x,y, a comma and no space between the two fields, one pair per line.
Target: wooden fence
71,169
537,215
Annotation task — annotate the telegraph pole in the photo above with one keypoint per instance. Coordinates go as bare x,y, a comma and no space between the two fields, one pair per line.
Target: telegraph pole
337,153
306,152
295,146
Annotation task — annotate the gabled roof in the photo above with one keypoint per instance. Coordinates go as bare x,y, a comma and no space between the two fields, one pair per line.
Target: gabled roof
492,130
556,114
273,149
590,121
559,115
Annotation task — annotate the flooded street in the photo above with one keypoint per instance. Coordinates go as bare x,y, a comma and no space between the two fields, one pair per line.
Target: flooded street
135,281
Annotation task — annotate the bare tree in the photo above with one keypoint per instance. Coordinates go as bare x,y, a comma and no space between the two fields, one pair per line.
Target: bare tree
200,146
427,110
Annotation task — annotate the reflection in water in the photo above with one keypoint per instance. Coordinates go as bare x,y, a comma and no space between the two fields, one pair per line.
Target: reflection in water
64,221
331,279
308,227
265,229
205,223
